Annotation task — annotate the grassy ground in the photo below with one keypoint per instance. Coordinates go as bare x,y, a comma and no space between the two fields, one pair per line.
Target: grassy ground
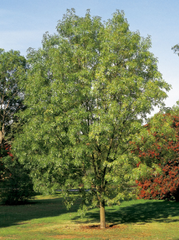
47,218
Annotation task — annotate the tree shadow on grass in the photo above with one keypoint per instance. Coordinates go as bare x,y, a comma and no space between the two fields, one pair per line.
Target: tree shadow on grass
14,214
143,212
129,212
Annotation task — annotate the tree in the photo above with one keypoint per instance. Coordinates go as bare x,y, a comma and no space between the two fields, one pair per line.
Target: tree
12,70
163,184
87,91
15,183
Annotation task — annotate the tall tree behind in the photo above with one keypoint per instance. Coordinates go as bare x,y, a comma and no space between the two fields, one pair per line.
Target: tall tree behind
12,70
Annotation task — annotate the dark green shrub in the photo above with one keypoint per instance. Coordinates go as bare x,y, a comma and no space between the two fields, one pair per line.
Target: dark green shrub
15,184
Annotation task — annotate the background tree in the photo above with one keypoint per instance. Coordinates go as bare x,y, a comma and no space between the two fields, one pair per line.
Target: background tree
12,70
15,184
164,183
87,91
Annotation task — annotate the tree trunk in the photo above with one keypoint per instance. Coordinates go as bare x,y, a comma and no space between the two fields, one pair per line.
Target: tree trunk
102,215
1,137
2,134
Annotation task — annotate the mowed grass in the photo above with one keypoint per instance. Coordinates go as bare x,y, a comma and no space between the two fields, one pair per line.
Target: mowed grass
47,218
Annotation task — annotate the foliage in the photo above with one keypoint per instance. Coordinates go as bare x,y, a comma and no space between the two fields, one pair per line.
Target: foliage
163,184
15,184
87,91
12,70
176,49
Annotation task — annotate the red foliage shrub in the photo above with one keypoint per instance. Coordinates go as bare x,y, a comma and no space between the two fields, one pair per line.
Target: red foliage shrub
161,186
166,184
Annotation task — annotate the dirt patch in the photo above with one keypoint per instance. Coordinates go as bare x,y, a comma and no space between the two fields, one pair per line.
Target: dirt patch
97,227
70,236
65,237
87,231
79,237
82,237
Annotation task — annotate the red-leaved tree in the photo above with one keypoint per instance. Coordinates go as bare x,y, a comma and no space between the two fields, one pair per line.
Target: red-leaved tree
165,153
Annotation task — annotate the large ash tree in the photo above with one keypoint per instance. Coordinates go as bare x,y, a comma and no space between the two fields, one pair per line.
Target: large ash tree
87,91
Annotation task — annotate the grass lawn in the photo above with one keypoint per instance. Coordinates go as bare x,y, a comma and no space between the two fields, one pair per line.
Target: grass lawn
47,218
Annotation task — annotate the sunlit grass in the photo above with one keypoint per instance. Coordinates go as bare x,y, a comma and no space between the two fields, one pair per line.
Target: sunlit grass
47,218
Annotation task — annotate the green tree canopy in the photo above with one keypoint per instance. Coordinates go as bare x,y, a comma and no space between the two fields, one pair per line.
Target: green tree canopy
15,183
87,92
12,70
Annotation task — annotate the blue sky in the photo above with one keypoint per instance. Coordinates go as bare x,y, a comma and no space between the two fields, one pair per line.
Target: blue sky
23,23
